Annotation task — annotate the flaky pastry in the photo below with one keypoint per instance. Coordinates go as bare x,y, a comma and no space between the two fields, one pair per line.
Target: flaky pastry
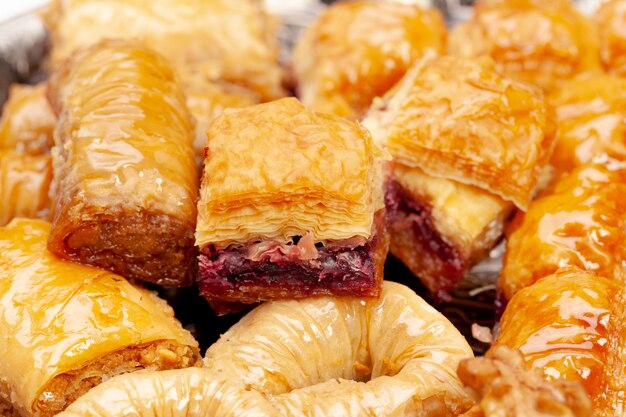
610,22
358,50
535,41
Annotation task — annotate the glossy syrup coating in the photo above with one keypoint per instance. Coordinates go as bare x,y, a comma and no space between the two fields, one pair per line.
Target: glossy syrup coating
579,222
591,118
24,183
571,325
325,356
56,316
459,119
214,40
610,21
27,122
358,50
535,41
125,172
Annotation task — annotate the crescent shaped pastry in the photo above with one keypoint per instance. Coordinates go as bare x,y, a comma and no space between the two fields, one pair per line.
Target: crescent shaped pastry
125,174
24,184
212,40
291,205
610,22
197,392
571,325
67,327
355,51
591,120
579,222
27,122
392,356
539,42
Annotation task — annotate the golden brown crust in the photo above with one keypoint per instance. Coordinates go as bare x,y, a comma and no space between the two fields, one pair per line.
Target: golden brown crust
358,50
457,118
578,222
610,22
539,42
24,183
277,170
124,164
27,122
591,119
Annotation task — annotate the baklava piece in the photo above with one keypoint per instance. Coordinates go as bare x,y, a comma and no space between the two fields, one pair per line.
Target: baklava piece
535,41
580,222
570,325
27,122
216,40
24,184
291,205
468,145
591,119
125,175
68,327
611,25
358,50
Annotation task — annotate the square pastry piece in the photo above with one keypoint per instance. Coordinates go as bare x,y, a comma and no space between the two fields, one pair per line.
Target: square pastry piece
291,205
468,146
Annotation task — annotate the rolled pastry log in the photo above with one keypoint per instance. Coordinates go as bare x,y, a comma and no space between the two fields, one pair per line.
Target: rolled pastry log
540,42
392,356
579,222
67,327
197,392
571,325
24,184
610,21
356,51
125,173
27,122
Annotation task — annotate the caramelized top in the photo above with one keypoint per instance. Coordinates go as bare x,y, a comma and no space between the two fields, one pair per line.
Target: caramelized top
357,50
27,122
276,170
231,40
56,316
580,222
124,133
611,25
457,118
591,116
571,325
536,41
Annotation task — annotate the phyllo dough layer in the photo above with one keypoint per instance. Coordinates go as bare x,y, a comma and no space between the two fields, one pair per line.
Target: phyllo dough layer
457,118
125,174
579,222
66,327
610,21
277,170
358,50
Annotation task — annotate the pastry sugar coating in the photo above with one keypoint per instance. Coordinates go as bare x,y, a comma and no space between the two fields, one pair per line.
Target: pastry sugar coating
440,228
358,50
610,22
467,145
591,118
325,356
538,42
24,183
578,222
215,40
27,122
571,325
66,327
457,118
291,205
125,173
198,392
